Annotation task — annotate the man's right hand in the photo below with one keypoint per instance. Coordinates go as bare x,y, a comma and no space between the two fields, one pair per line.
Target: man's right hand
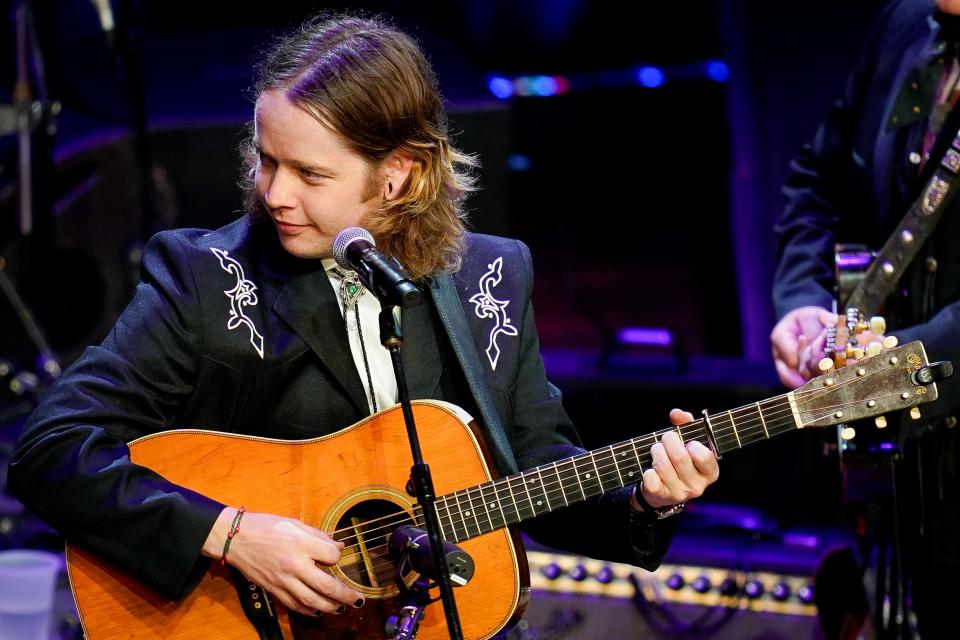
794,340
282,556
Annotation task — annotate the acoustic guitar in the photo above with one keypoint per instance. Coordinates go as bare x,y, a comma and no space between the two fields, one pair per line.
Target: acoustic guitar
351,484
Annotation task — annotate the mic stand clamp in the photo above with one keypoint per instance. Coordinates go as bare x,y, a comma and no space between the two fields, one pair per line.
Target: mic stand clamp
392,338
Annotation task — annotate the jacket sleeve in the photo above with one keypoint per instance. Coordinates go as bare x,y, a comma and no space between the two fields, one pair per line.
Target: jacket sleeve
71,464
941,340
602,527
822,190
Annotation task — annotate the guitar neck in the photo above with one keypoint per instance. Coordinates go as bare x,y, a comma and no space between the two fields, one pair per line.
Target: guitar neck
493,505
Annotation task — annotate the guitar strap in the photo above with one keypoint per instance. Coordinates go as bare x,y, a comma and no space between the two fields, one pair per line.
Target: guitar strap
257,607
906,240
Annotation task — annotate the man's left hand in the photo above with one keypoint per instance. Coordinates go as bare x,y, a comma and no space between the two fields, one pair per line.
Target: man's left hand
680,471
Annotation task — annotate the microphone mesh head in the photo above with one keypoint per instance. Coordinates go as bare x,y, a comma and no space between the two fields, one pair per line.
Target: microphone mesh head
344,239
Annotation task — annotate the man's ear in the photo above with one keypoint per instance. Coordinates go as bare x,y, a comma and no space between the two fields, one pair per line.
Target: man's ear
396,171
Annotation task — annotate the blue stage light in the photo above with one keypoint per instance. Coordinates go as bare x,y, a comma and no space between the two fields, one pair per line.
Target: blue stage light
519,162
500,87
718,71
543,86
650,77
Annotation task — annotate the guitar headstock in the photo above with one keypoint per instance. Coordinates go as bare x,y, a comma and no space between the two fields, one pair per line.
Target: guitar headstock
899,378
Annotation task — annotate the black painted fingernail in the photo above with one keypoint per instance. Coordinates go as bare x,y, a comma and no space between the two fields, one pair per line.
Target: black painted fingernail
341,608
358,603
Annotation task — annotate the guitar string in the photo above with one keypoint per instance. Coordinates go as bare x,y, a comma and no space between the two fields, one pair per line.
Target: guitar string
548,489
776,421
462,529
377,543
749,430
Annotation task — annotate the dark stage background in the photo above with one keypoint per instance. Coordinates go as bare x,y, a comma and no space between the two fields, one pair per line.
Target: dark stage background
647,199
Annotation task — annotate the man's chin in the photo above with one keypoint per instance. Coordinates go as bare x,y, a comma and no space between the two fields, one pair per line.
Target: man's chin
305,250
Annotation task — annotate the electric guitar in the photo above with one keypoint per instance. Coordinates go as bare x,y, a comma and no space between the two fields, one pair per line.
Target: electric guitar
351,484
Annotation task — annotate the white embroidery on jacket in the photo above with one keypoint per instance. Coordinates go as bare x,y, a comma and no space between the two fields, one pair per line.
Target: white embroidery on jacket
486,306
240,296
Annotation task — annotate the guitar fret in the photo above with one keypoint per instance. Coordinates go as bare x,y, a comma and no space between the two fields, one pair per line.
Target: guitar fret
727,438
453,528
529,486
473,510
490,498
463,516
593,461
543,488
517,504
569,475
636,455
730,436
756,434
587,478
733,426
783,414
512,503
616,466
558,482
763,421
603,456
630,463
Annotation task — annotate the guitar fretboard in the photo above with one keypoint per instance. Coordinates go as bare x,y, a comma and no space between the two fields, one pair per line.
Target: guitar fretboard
493,505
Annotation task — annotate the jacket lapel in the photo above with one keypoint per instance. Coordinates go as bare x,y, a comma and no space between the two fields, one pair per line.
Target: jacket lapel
450,310
308,304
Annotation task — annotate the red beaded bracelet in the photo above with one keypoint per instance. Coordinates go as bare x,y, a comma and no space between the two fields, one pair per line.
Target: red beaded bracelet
234,528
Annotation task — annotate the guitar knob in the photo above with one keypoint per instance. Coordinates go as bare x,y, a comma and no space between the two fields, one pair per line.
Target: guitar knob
701,584
914,413
890,342
753,589
825,364
728,587
781,591
874,348
675,581
579,573
605,575
848,433
856,353
552,571
878,325
881,422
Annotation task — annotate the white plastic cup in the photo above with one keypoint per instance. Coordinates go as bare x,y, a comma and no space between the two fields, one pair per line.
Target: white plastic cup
28,582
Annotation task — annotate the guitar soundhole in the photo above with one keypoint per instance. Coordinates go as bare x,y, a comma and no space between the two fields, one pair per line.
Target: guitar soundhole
365,529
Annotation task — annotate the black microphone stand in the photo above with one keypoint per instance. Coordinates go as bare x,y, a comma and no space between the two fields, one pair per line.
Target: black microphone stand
392,338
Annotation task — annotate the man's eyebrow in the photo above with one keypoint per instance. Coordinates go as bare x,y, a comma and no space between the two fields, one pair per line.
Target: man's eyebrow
300,165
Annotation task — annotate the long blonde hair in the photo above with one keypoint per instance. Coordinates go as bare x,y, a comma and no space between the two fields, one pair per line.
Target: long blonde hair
373,85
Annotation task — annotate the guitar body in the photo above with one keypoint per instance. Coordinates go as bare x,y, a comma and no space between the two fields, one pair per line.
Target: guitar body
329,482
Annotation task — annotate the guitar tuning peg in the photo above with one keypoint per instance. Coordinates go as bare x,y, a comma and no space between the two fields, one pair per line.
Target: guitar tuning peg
878,325
874,348
890,342
857,353
825,364
914,413
880,421
848,433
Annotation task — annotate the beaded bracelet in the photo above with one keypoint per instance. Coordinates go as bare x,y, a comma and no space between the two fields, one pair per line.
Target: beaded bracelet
234,528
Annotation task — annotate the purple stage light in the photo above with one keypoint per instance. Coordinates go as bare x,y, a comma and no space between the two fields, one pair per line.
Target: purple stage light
645,337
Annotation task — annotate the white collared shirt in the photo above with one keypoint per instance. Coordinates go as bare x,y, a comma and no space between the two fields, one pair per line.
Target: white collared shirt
378,357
